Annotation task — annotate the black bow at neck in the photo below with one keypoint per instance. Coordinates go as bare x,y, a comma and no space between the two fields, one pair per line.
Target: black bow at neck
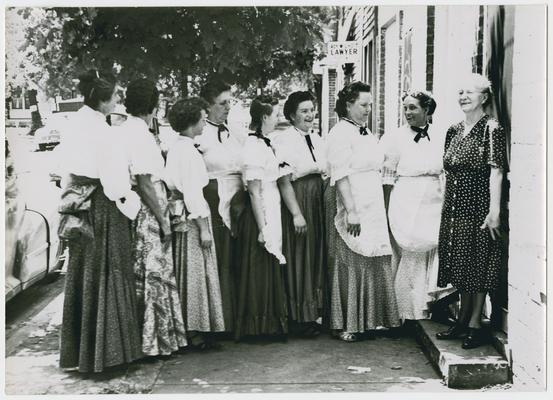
421,132
259,135
197,146
362,130
220,128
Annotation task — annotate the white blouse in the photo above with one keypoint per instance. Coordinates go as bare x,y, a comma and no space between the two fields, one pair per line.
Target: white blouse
291,146
91,148
144,153
349,152
405,157
260,163
358,157
185,171
221,158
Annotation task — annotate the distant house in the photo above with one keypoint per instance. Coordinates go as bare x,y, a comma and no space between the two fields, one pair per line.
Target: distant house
19,107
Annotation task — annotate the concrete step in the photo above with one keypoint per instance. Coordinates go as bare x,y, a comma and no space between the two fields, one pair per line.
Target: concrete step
462,369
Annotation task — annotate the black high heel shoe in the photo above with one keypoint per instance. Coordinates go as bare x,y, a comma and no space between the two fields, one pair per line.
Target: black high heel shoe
475,338
457,331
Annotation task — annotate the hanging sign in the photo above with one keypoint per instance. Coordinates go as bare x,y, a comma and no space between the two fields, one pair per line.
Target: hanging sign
343,52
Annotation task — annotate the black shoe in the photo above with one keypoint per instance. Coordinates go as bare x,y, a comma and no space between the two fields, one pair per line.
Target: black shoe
455,332
475,338
310,330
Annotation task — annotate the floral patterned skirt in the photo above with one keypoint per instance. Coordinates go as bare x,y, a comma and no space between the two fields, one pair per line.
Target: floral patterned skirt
197,280
163,330
361,292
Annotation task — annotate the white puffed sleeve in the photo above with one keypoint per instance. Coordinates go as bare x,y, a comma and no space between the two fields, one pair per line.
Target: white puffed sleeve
186,172
388,144
146,158
339,154
280,142
203,141
254,159
113,163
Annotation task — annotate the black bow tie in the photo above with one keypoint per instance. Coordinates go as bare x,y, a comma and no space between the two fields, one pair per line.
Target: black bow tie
220,128
260,136
421,132
197,146
362,130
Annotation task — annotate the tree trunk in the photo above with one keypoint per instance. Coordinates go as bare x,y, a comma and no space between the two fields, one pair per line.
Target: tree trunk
36,120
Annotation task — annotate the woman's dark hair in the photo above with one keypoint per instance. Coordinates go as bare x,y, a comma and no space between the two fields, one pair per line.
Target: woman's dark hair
185,113
142,97
213,88
261,106
349,94
293,101
96,86
425,99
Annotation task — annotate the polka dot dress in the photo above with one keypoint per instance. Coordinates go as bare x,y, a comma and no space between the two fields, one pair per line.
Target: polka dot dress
469,258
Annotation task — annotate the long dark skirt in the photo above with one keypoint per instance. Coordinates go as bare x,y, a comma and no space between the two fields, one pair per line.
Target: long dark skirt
305,254
100,323
262,305
225,246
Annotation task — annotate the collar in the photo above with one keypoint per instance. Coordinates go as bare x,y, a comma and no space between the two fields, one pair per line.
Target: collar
137,121
261,137
186,139
301,132
224,124
362,129
420,132
91,113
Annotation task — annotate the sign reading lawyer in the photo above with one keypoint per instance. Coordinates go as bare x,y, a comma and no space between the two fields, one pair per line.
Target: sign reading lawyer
344,52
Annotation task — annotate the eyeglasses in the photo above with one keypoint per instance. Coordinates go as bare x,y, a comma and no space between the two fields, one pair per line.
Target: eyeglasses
461,92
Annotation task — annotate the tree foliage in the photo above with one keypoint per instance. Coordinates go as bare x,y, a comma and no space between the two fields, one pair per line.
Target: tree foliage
247,46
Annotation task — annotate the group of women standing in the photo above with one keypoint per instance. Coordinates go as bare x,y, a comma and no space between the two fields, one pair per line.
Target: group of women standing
280,233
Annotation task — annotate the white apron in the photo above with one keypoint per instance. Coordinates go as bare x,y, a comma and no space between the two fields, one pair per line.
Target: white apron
366,190
415,212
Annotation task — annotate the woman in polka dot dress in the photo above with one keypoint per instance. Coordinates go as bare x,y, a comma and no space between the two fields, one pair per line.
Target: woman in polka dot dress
469,243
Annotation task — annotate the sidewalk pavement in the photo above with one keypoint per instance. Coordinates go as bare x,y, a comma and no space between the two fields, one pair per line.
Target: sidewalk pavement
323,364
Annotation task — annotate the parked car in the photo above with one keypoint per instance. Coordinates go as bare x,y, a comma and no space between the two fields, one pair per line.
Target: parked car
32,247
49,136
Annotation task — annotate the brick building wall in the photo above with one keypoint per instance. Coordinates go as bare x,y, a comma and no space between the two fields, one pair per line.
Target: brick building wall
381,82
430,15
455,37
527,247
332,94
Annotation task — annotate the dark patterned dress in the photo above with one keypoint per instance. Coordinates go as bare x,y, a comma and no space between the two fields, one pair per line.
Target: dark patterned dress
469,258
100,322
